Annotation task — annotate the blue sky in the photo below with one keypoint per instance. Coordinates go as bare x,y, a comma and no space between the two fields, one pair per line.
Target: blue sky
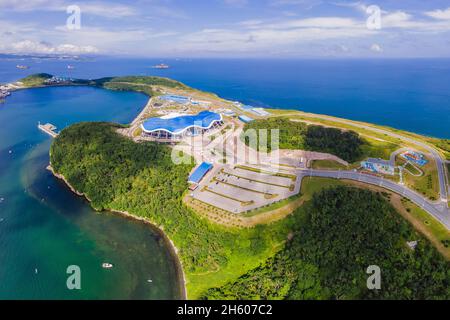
228,28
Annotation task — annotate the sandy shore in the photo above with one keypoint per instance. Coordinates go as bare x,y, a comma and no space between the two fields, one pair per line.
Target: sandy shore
174,250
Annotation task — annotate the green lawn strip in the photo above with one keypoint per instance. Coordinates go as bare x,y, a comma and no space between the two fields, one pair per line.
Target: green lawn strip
327,164
272,206
378,149
260,181
310,185
281,175
243,188
243,203
431,225
237,265
413,169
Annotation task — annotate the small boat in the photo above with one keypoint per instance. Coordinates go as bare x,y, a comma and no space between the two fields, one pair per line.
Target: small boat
70,67
161,66
20,66
107,265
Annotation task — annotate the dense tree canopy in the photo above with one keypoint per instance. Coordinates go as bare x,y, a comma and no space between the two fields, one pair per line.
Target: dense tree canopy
347,230
140,178
299,135
335,236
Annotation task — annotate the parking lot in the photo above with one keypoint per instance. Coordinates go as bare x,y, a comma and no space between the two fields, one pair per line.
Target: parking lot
241,189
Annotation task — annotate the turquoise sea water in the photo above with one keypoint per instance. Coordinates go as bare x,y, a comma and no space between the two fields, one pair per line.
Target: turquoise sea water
44,228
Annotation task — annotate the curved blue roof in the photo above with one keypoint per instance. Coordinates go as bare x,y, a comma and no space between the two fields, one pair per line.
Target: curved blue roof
177,125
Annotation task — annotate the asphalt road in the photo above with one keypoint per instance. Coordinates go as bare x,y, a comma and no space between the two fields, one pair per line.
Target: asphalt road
440,162
438,210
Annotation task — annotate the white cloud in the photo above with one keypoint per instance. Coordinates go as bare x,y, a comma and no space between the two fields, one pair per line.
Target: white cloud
439,14
102,9
376,48
279,34
29,46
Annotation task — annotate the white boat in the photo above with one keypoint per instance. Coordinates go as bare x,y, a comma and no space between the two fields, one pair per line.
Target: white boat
161,66
70,67
106,265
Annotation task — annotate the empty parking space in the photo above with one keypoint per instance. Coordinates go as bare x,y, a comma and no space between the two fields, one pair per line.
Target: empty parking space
238,190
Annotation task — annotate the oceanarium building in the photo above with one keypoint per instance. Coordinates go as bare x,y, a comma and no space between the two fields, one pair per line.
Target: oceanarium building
180,126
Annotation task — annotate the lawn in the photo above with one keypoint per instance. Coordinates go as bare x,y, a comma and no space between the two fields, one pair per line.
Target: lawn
428,184
240,264
328,164
431,228
378,149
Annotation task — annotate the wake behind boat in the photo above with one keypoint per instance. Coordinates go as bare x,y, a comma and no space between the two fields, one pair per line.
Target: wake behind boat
161,66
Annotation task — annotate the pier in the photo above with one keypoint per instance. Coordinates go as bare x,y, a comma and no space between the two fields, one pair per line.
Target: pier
49,129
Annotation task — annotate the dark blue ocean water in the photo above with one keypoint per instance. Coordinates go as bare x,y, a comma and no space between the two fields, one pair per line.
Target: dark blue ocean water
412,95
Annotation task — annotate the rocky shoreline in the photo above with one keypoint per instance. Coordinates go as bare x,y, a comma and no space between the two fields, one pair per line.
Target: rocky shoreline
173,249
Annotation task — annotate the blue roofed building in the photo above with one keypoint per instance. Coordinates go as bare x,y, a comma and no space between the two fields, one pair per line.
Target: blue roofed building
245,119
415,157
181,126
200,172
175,99
378,166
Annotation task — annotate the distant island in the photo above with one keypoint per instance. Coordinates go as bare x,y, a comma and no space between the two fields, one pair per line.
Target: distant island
305,228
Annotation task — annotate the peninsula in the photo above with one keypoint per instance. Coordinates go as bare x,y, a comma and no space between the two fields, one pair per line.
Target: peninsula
263,220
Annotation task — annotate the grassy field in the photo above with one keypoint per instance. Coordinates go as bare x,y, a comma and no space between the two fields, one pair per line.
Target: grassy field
239,264
414,170
448,171
327,164
378,149
428,184
35,80
274,206
277,174
429,227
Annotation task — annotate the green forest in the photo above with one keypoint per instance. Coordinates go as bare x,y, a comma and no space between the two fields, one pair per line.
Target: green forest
343,232
35,80
298,135
319,252
128,83
116,173
139,84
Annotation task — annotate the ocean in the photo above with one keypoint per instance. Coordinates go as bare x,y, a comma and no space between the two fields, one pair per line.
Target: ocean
412,94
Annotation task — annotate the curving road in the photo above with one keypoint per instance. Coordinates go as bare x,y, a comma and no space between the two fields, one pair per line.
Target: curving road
438,210
440,162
